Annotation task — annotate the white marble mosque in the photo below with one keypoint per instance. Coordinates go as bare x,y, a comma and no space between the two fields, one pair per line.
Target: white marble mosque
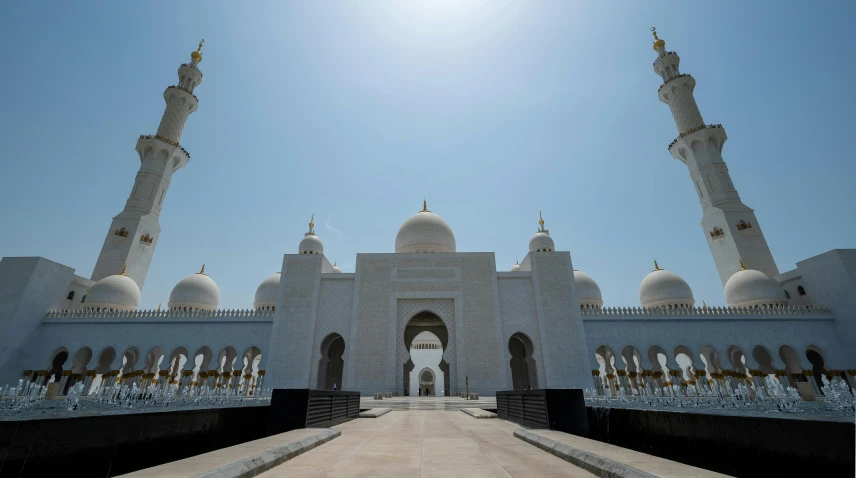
425,318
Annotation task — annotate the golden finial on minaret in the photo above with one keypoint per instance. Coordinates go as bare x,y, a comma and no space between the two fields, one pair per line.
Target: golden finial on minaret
424,206
656,266
657,42
124,268
203,270
197,55
312,224
742,266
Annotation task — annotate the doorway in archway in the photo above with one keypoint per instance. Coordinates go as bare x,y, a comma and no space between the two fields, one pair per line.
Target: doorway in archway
425,339
426,383
332,363
524,372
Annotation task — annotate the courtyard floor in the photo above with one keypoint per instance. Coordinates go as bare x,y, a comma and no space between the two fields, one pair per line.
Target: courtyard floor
421,443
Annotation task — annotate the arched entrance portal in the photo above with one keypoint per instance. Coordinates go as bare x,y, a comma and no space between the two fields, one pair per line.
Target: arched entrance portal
426,383
426,343
332,363
524,372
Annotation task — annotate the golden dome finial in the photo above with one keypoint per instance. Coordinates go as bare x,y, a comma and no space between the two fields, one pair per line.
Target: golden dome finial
742,266
516,262
312,224
703,305
334,263
657,42
424,206
203,270
197,55
124,268
656,266
159,306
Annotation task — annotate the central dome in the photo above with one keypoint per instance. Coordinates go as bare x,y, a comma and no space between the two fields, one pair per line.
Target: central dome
425,232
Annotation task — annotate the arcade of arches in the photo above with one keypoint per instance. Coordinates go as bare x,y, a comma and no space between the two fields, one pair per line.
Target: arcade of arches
632,371
191,373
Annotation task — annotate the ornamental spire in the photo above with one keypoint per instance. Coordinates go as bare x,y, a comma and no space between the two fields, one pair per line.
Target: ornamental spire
124,268
197,55
742,266
312,225
203,270
541,223
656,266
657,42
424,206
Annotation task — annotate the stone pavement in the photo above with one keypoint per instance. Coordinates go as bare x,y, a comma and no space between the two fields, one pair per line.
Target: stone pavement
210,462
426,444
427,403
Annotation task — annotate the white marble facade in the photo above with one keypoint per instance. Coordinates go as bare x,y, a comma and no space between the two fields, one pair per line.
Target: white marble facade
540,325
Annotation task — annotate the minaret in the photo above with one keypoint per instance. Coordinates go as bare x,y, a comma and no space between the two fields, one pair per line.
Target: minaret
730,227
134,233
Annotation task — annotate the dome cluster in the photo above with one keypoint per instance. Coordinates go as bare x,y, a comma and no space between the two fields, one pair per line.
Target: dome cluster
426,232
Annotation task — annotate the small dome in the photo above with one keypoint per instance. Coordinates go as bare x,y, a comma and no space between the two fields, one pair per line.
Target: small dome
541,241
268,292
662,288
196,291
117,292
750,287
425,232
310,245
515,267
336,269
587,290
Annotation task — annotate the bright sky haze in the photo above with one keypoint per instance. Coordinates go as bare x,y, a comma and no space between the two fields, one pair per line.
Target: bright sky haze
490,110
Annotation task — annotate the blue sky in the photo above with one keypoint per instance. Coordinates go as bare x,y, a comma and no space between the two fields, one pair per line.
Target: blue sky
491,110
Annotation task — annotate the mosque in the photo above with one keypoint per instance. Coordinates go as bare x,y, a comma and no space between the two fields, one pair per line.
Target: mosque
427,319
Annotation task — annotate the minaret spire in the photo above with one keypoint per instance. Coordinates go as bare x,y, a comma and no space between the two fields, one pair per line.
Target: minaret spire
730,227
135,231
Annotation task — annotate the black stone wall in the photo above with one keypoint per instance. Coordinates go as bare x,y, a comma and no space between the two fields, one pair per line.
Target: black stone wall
102,446
734,445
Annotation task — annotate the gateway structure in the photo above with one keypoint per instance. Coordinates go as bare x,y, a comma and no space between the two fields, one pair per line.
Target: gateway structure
426,319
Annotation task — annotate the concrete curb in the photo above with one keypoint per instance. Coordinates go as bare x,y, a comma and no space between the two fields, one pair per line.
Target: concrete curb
478,413
600,466
258,464
375,412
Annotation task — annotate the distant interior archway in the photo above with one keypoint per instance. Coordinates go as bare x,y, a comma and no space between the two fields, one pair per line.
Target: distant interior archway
332,364
524,372
432,324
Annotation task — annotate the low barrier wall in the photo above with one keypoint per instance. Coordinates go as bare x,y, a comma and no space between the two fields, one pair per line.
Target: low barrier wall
735,445
291,409
110,445
555,409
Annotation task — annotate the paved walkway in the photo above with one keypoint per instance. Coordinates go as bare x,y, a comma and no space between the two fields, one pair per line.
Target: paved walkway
210,461
427,403
426,444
